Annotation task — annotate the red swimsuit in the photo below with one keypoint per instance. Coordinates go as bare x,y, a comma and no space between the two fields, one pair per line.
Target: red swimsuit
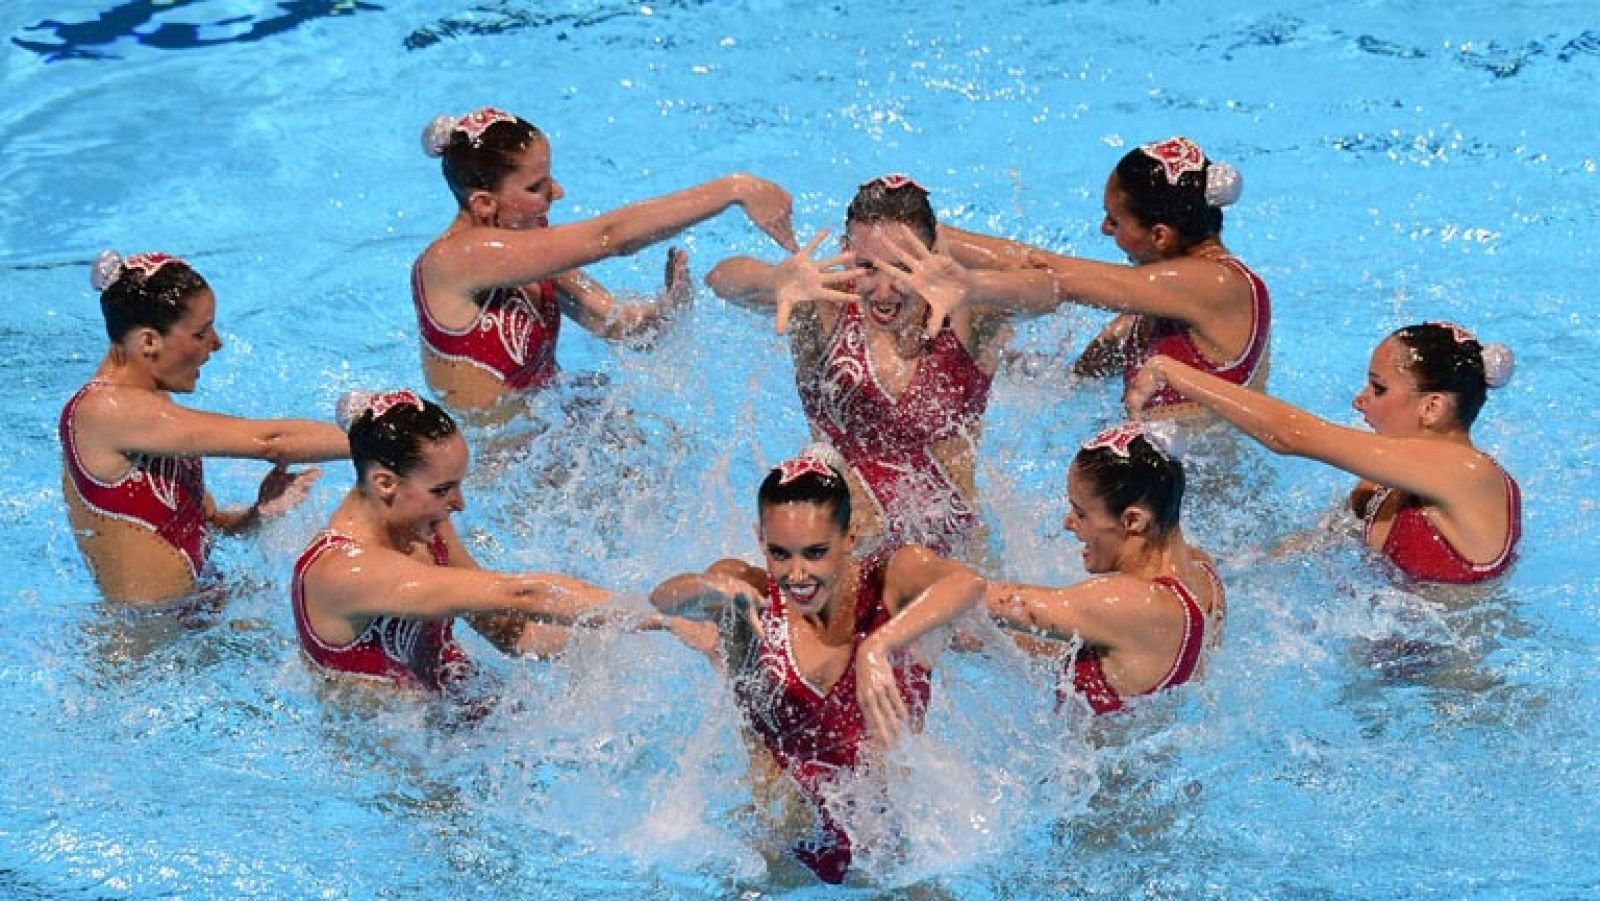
814,736
889,441
1417,548
411,652
166,495
513,337
1089,679
1152,335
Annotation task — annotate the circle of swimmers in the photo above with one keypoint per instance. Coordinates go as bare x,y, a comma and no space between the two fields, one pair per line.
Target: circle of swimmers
896,338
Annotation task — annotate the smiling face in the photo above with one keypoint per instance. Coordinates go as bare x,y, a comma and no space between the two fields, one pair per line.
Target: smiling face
424,498
886,306
807,553
179,353
1120,225
524,197
1104,534
1390,402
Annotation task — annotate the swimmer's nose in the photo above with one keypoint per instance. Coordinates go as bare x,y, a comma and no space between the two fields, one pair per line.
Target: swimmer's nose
556,190
458,501
1105,227
878,286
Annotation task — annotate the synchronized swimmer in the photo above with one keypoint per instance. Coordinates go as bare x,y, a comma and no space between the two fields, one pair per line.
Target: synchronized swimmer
491,291
872,537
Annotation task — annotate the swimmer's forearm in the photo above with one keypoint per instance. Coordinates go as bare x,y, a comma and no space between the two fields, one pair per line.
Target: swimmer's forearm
631,228
236,520
303,441
979,251
551,597
745,281
690,596
1102,356
1025,292
1281,427
955,593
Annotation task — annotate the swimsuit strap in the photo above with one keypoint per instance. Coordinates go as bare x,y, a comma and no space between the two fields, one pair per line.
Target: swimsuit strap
1194,627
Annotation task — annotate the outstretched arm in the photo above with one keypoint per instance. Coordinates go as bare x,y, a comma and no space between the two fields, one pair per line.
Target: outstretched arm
1436,470
707,595
147,422
372,581
1189,290
485,258
979,251
1092,611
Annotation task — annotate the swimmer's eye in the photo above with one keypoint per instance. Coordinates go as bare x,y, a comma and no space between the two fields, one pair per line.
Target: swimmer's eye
442,491
815,553
1377,389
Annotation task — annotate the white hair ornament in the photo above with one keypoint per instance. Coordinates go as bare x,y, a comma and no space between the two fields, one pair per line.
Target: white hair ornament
436,137
1164,436
1224,184
108,266
106,270
352,405
1498,361
1498,364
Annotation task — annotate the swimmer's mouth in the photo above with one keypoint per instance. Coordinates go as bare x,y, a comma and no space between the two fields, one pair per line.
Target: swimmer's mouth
885,313
802,593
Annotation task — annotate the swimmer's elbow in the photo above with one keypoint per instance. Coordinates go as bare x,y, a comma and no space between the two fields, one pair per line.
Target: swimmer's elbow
1292,436
615,241
1282,445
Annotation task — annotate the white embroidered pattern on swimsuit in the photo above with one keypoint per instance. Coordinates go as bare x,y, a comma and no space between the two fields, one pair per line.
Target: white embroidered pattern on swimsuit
844,375
398,636
512,322
164,475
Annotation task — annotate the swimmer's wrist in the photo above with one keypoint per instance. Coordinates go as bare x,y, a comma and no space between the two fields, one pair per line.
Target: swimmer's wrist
738,184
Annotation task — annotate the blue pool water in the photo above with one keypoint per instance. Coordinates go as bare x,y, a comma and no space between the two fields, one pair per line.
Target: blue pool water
1400,164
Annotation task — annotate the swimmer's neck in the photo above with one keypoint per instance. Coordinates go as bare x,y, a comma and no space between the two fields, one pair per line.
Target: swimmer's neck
360,516
1149,560
119,369
1210,248
835,624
